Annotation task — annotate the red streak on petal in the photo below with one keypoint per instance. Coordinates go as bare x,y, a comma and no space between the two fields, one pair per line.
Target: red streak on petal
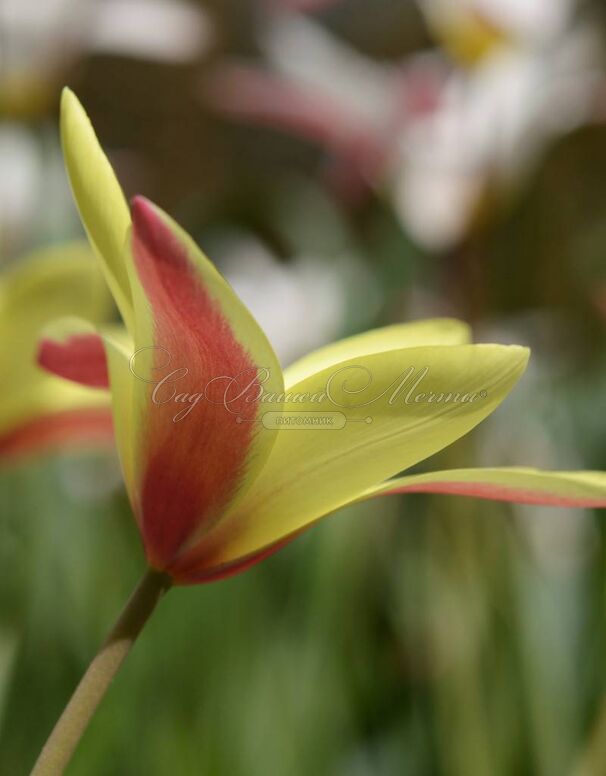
192,572
71,428
81,358
192,467
501,493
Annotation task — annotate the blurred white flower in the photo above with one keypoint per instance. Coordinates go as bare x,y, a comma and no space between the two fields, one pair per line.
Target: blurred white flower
37,42
21,165
35,35
535,20
302,50
41,39
321,89
482,24
158,30
494,120
35,202
432,134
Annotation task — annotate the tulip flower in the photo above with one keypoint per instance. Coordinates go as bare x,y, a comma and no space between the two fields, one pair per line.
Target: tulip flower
39,412
226,457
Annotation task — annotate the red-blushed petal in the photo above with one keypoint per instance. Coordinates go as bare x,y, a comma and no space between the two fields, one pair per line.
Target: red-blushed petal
191,468
80,358
67,429
500,493
190,569
521,486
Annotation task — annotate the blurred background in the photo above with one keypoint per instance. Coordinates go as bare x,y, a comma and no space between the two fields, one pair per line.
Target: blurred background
346,164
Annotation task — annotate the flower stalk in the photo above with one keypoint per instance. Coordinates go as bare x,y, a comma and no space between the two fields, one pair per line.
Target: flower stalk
74,720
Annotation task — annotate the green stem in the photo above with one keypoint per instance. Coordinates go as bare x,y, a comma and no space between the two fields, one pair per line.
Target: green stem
68,731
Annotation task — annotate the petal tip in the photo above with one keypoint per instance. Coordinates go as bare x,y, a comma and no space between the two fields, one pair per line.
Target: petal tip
143,211
519,354
524,354
145,218
69,102
138,202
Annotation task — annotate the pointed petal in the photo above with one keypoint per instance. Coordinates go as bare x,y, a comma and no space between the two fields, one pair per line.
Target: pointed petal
434,331
99,198
199,445
312,472
519,485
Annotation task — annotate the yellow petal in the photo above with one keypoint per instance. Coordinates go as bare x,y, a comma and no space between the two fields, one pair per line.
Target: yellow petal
436,331
312,471
49,283
99,198
519,485
119,350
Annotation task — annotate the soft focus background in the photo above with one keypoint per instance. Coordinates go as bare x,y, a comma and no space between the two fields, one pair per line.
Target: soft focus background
346,164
